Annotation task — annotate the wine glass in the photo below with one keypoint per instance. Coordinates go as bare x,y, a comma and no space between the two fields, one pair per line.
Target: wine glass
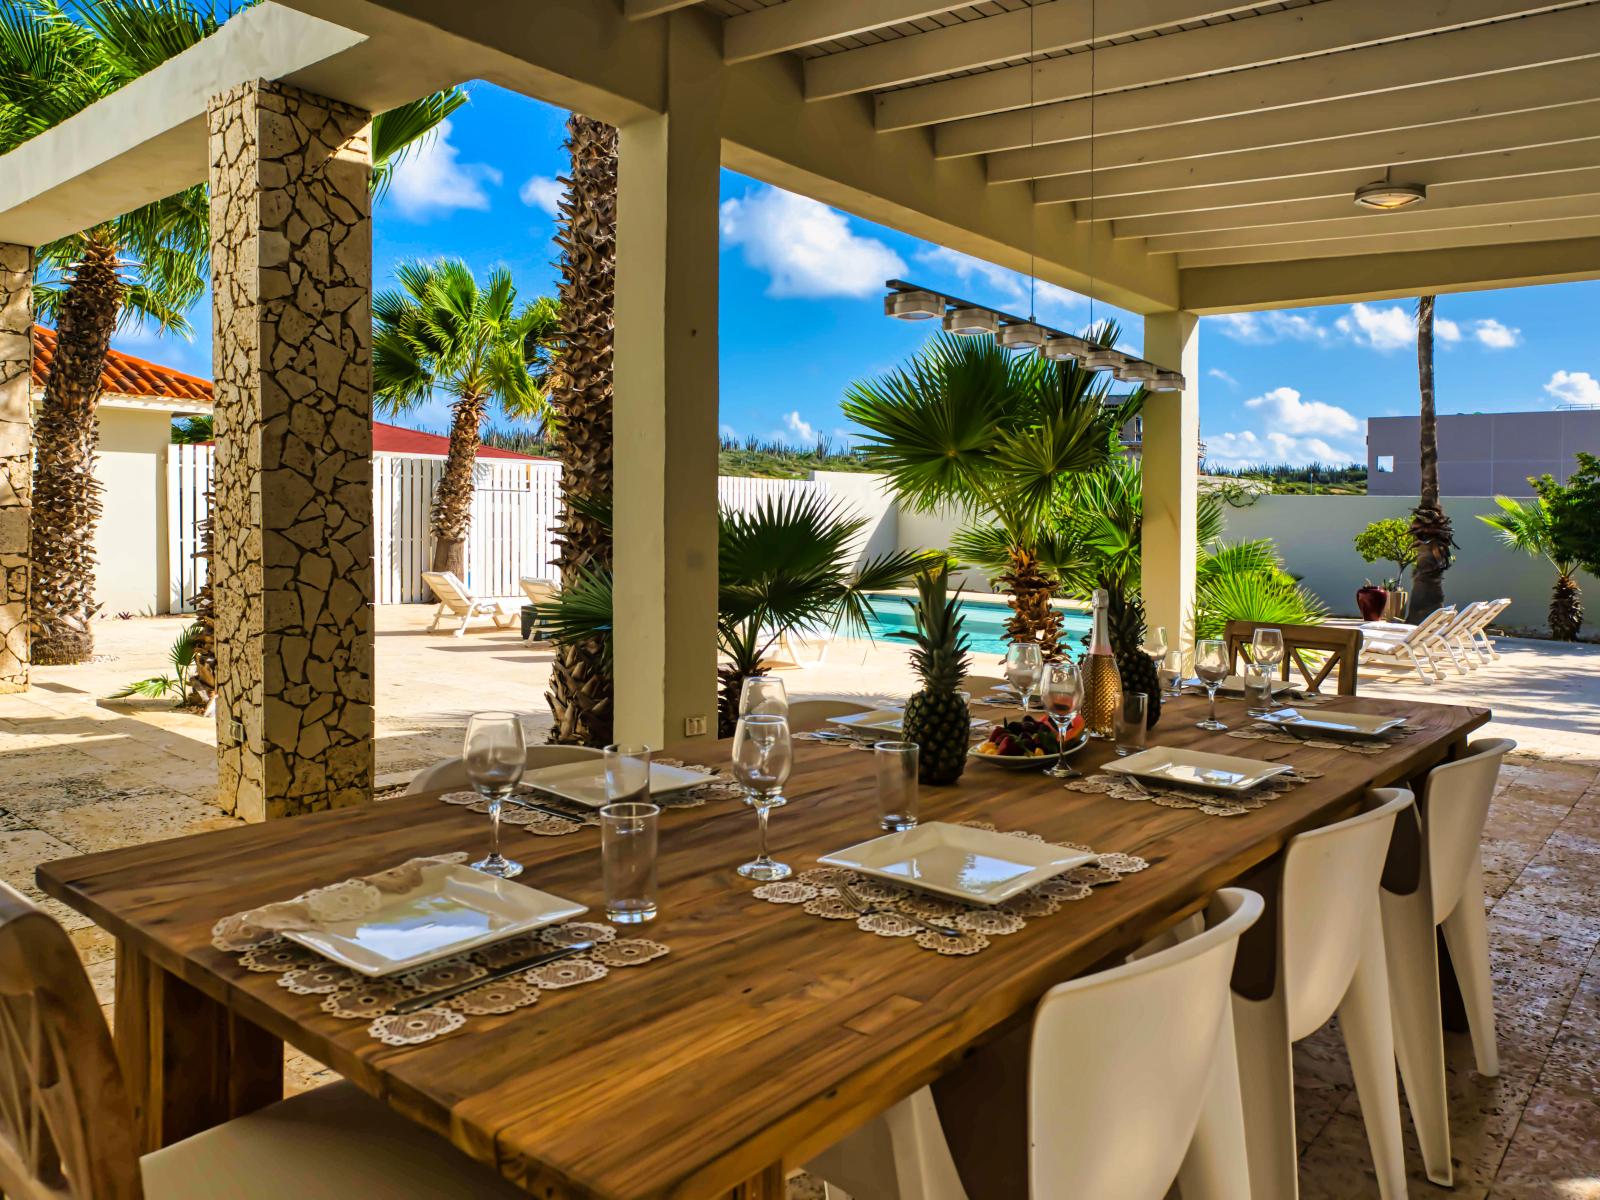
1061,691
762,755
1023,664
1266,648
495,755
1211,664
763,694
1155,644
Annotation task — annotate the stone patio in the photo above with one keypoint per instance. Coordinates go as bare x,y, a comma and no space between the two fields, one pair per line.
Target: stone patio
84,775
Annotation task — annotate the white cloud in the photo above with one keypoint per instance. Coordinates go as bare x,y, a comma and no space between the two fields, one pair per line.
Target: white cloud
797,431
808,249
1012,287
1382,329
1446,330
728,431
1219,373
1496,335
543,192
1574,387
1294,430
1263,328
433,180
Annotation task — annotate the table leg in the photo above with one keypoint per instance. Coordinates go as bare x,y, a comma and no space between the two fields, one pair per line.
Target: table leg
189,1063
770,1184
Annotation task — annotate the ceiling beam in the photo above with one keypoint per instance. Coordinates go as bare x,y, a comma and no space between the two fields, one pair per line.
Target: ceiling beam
1437,239
1586,204
1232,46
1386,276
1286,196
1048,27
1374,151
806,22
638,10
1346,93
1581,177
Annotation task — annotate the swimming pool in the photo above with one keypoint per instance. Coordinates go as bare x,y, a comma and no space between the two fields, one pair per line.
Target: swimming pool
984,625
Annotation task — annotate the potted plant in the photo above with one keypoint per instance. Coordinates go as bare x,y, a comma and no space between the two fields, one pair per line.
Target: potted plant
1372,601
1388,540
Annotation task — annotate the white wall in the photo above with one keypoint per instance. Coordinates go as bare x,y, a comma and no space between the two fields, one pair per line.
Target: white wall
933,531
131,540
1316,537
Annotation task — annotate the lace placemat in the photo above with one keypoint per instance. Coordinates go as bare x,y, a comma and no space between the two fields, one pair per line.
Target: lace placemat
574,817
891,908
1262,731
255,938
1125,787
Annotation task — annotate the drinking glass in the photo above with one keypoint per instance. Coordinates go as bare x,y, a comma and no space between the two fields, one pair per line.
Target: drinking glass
762,756
1061,692
1130,723
1266,648
1211,664
1024,661
763,694
1155,644
628,860
1257,690
1170,673
627,772
495,755
896,764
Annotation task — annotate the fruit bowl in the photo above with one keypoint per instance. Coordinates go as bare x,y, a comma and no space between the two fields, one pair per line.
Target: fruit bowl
1027,762
1025,743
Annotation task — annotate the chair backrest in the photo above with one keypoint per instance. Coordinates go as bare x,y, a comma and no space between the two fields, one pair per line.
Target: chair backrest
452,772
1338,646
1433,624
805,715
1467,618
1121,1060
66,1128
1455,805
539,590
1328,896
1492,610
452,593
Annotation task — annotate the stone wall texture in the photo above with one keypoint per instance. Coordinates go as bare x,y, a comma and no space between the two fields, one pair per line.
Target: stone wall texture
292,571
16,460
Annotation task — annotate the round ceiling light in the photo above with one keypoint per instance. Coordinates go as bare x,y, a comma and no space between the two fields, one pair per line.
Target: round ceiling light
1101,358
1135,370
1167,381
970,322
1021,335
1064,346
1386,196
913,306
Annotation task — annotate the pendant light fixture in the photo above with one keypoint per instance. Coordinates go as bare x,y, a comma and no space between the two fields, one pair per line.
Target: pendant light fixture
1386,195
913,305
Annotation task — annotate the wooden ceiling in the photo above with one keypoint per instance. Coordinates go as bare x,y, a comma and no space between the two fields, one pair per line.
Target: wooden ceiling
1227,133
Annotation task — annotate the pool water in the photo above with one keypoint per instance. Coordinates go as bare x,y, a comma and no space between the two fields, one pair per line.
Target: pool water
984,622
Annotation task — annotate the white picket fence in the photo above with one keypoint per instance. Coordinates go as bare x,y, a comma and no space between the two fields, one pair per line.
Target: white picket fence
514,509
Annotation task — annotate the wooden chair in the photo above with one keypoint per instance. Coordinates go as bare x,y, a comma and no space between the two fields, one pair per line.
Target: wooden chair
67,1129
1339,647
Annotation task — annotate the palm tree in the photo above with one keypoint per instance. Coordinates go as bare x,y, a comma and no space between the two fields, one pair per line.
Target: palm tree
1430,527
995,434
782,567
144,267
580,692
1528,527
442,332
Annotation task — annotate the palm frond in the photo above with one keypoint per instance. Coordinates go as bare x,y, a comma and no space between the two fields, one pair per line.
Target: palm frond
403,130
154,687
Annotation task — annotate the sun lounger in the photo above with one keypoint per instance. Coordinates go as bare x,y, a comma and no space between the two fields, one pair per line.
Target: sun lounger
1420,647
455,599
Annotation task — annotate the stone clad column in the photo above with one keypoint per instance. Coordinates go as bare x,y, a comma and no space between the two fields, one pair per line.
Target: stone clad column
1171,457
292,571
16,460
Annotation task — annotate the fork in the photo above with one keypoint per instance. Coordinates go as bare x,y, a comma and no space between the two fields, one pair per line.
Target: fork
861,906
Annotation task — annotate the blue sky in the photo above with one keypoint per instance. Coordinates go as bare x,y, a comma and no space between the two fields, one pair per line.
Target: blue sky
801,316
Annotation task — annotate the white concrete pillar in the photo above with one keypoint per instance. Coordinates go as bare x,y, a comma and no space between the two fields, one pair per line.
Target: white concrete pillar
1171,474
665,444
16,460
291,574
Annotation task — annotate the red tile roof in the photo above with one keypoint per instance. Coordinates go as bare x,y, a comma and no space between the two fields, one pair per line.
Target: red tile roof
393,439
124,374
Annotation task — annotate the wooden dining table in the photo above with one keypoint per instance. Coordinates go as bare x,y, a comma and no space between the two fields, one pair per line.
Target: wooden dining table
764,1036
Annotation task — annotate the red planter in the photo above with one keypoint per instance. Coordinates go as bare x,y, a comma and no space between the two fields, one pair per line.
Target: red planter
1371,600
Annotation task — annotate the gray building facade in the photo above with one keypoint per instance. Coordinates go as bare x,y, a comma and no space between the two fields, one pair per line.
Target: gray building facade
1481,454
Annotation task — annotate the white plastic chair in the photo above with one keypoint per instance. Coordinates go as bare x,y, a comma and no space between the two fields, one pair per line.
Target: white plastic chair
1455,635
1417,647
455,599
806,715
1478,636
1328,943
1132,1083
452,772
1438,880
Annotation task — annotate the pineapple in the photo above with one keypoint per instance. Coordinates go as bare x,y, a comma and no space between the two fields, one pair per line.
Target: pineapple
1138,670
936,718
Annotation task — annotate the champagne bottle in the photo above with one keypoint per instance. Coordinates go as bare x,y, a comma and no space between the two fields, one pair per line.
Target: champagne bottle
1102,685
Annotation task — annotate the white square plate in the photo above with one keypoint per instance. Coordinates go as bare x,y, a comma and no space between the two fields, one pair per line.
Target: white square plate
1233,685
1195,768
975,866
453,909
1333,723
585,782
886,720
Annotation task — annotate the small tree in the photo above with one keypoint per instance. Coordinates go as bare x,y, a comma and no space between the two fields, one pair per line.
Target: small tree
1389,540
1527,527
1575,512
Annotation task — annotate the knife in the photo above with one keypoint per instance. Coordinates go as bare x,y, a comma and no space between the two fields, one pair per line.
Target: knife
428,999
549,812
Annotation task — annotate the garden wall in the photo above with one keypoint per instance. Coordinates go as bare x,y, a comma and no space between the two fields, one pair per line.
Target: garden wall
1316,536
